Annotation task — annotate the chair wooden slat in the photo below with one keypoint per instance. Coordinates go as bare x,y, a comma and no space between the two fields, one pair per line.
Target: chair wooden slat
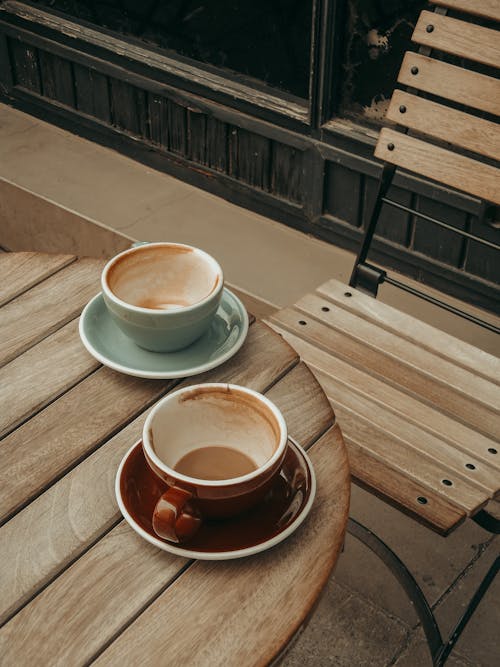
439,121
396,453
422,385
457,171
417,448
489,9
372,470
473,445
407,359
411,497
412,329
451,82
459,38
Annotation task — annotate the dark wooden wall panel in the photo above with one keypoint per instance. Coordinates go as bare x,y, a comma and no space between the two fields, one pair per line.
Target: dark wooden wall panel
217,144
433,241
25,65
176,128
393,224
56,75
92,92
6,81
343,194
481,260
128,108
287,172
317,187
197,136
253,159
158,120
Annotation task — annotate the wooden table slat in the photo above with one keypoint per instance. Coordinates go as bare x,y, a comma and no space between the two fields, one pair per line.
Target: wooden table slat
56,518
89,603
44,448
232,592
47,306
62,522
304,405
41,374
22,270
73,574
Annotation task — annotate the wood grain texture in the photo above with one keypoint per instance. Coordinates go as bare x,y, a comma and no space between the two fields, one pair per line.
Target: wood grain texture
395,453
238,622
473,445
397,372
91,92
22,270
253,159
489,9
56,75
448,461
410,357
42,449
89,603
432,510
287,172
439,164
46,307
407,448
41,374
304,405
410,328
444,123
53,528
460,38
451,82
262,361
25,65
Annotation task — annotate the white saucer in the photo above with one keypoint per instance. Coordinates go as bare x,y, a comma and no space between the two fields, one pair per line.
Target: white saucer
109,345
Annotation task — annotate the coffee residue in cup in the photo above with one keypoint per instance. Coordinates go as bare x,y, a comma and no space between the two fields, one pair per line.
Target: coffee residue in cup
215,462
157,304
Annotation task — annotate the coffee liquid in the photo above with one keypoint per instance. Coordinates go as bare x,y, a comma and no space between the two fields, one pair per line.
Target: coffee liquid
215,462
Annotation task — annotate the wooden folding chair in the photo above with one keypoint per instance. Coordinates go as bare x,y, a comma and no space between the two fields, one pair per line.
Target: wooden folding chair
419,409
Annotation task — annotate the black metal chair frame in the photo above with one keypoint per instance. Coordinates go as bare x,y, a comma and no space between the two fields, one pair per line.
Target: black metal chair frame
367,277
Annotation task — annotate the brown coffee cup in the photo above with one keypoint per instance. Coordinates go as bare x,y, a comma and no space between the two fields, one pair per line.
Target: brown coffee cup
218,447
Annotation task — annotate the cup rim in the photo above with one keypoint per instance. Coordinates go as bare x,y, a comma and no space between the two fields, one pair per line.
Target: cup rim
196,481
181,309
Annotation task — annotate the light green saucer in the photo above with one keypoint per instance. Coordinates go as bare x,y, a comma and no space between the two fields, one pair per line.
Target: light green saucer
109,345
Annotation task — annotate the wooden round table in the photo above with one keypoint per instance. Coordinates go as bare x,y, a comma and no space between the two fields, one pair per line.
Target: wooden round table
77,583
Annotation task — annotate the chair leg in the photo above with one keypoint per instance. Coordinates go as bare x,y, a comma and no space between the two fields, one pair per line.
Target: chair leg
439,650
372,279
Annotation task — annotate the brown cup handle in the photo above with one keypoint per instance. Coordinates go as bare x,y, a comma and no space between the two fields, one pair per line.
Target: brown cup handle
174,517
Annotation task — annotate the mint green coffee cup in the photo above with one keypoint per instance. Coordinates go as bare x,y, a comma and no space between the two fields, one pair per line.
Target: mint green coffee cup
163,296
